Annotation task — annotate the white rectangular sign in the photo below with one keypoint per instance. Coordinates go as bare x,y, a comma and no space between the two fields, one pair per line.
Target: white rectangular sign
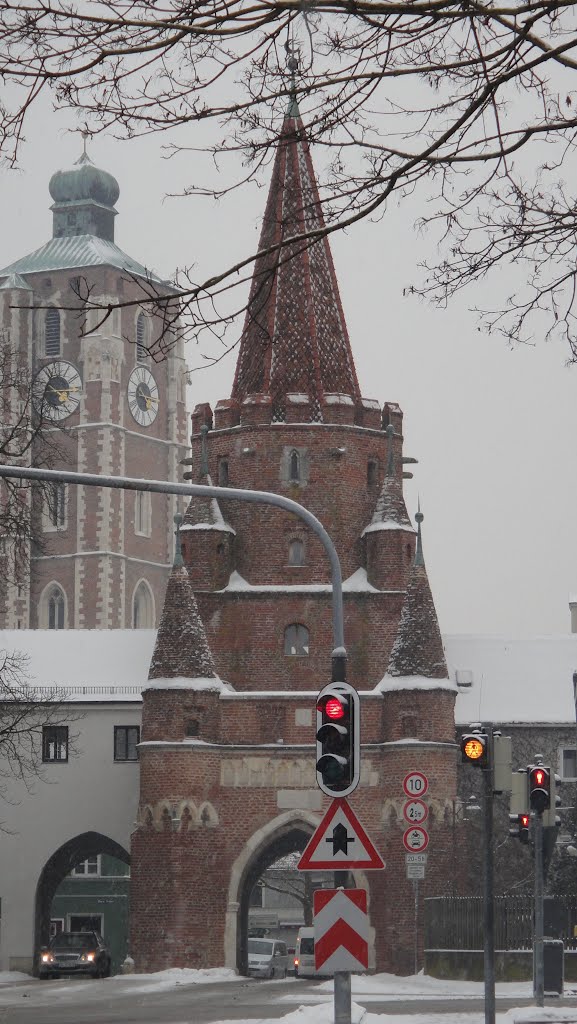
415,858
415,870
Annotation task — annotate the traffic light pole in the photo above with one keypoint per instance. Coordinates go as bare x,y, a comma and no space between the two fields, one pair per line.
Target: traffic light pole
204,490
539,972
488,898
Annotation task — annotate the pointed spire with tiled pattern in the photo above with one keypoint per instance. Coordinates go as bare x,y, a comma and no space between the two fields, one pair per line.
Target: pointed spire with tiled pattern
418,648
295,339
181,650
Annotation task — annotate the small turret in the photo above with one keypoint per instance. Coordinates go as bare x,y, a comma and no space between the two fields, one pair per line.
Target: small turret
207,540
389,538
84,198
417,664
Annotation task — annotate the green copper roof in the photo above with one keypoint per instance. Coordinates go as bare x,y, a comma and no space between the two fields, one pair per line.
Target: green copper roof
73,252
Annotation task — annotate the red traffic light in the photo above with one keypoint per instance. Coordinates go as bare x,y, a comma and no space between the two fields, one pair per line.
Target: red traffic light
538,777
524,820
333,708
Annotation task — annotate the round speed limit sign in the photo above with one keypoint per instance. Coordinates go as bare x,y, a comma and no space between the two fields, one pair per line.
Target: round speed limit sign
415,784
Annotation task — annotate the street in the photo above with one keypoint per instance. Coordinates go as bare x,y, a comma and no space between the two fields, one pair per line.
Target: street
128,1001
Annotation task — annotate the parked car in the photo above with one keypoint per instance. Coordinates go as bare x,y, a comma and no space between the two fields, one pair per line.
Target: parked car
75,953
267,958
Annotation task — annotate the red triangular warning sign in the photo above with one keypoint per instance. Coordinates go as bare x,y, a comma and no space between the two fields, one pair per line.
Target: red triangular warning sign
340,842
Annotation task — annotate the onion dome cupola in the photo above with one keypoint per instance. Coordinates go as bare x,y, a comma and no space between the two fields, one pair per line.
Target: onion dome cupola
417,665
207,539
295,352
389,538
84,198
181,661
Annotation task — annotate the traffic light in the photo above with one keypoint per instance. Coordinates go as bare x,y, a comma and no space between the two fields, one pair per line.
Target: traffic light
475,749
550,817
539,788
338,739
519,827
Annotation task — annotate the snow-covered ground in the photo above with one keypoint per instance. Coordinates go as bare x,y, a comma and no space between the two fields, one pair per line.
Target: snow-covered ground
315,1003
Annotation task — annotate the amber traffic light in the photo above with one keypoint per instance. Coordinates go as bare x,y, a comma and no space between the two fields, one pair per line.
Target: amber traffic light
475,749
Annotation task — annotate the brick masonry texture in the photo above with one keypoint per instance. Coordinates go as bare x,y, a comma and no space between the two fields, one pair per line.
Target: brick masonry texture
213,763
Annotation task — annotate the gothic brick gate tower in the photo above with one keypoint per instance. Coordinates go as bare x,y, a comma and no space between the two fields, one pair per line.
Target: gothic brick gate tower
227,758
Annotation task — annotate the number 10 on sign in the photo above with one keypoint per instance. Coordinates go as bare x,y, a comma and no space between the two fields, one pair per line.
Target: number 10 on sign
415,784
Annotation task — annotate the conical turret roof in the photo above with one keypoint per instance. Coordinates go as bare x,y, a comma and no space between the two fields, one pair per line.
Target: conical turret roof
418,649
295,338
181,651
390,509
204,513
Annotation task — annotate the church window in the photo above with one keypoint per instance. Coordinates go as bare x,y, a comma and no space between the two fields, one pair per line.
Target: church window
372,472
294,466
52,333
223,473
56,608
90,866
143,607
142,513
55,505
296,640
408,552
296,552
141,350
256,898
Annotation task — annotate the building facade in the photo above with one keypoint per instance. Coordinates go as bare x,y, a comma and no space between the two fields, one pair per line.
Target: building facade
227,780
99,559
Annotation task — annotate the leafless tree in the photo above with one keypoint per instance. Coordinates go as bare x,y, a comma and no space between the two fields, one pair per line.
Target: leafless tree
469,105
25,710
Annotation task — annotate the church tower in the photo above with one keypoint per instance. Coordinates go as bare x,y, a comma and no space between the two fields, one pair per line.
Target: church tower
227,759
100,558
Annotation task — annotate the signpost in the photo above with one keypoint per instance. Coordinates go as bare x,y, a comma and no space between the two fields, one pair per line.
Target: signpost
341,930
415,839
340,843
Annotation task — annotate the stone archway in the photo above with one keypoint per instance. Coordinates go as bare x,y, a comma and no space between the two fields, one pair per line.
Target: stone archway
284,834
58,866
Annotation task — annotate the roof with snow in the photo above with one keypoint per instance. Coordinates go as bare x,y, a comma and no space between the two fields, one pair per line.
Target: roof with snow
79,251
500,679
181,649
295,338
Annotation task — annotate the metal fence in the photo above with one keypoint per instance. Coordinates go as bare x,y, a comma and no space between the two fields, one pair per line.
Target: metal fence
456,922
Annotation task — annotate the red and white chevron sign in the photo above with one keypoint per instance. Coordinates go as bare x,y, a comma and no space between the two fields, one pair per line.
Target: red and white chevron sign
341,930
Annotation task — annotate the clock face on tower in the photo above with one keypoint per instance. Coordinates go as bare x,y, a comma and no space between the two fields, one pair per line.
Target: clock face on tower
142,394
57,389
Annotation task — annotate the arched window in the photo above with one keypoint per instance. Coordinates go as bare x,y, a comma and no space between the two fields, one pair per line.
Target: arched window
52,333
56,608
296,553
294,465
223,473
141,352
372,472
143,607
296,640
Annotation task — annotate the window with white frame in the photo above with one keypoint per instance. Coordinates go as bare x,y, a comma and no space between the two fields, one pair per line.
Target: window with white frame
143,607
90,866
55,503
568,763
142,513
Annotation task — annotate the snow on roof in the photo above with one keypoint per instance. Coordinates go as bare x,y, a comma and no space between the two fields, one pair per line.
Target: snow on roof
511,680
389,524
388,683
514,679
180,683
90,663
356,583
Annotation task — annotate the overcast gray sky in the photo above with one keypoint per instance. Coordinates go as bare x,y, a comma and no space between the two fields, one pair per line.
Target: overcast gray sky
494,430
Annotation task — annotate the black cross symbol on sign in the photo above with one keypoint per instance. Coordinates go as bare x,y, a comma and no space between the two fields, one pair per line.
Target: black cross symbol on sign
340,839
